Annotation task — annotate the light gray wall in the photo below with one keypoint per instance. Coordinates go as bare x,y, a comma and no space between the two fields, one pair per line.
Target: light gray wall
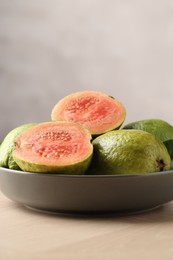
50,48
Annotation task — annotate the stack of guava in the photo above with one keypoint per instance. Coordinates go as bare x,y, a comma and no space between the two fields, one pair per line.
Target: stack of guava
86,136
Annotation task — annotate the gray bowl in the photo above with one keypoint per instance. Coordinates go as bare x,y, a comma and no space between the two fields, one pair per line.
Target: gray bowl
87,194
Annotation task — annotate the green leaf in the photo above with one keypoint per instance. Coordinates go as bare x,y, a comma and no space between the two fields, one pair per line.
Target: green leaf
169,146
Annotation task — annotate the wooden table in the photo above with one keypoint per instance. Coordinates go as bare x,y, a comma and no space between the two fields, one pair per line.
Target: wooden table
27,234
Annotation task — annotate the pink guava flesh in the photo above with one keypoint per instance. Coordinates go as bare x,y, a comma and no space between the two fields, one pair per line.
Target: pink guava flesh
54,143
95,110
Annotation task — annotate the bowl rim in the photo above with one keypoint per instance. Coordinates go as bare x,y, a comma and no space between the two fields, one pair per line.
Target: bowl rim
85,176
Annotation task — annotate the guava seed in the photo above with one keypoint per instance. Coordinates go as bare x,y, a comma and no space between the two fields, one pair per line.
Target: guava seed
81,104
55,135
56,151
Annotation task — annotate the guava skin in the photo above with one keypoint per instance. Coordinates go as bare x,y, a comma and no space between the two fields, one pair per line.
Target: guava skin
128,152
54,147
160,128
98,112
72,169
7,146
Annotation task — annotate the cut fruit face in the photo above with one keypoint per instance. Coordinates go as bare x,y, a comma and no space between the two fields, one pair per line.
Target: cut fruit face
7,146
54,147
98,112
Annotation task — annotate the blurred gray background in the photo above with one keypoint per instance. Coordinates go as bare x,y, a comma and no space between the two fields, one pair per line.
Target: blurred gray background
50,48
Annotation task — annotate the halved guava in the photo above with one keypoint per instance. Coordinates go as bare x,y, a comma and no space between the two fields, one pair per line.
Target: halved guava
55,147
7,146
97,111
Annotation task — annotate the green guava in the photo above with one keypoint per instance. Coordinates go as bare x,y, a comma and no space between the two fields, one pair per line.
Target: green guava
160,128
128,152
7,146
98,112
54,147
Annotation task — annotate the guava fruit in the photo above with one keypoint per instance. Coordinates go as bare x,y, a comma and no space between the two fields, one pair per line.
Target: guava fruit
128,152
160,128
7,146
97,111
54,147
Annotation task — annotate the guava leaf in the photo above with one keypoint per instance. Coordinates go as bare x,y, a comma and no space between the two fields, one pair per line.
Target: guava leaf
172,165
169,146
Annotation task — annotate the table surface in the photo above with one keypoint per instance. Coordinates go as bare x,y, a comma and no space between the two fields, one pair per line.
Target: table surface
27,234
